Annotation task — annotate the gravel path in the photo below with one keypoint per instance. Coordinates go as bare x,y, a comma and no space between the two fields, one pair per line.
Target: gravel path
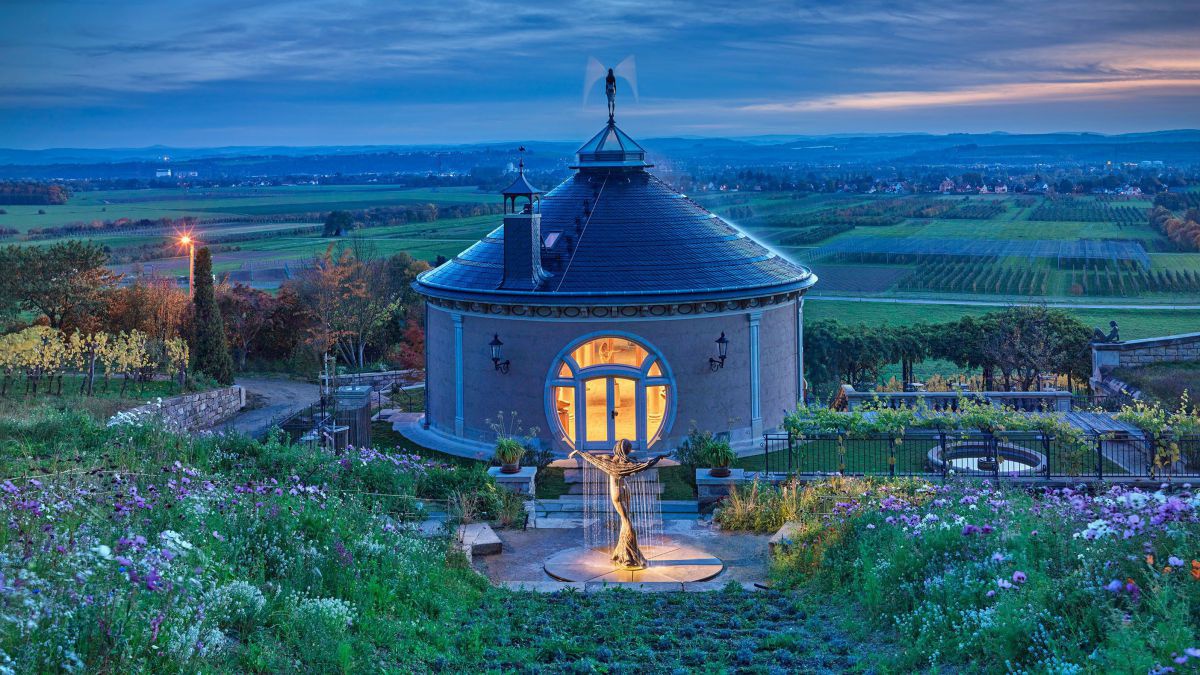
277,398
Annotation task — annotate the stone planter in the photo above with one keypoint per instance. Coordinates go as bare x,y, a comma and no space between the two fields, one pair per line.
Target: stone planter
719,472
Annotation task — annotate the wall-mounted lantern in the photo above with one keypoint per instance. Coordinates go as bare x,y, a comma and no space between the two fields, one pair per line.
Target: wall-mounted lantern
722,350
496,344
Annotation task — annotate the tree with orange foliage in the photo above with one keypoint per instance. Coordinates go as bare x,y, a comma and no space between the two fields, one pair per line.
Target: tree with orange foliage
156,307
246,312
352,297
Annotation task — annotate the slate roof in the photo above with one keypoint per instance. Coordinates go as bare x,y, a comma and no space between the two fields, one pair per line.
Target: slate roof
615,232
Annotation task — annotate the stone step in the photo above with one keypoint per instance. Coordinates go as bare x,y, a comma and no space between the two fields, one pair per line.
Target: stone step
578,476
580,488
578,515
478,539
573,504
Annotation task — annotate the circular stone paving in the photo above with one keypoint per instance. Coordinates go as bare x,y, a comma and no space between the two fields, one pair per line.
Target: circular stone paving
670,563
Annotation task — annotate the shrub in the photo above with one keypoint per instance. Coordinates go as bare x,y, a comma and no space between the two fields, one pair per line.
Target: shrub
974,577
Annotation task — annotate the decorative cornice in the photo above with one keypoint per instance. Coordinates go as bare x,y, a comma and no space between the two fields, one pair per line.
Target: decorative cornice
615,311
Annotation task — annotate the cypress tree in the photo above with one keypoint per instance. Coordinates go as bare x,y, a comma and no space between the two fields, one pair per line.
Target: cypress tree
211,350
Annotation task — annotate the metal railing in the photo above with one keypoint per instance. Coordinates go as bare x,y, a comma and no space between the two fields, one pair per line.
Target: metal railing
1011,455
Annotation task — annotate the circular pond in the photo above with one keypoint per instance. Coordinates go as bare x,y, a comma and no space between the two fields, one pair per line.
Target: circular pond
974,458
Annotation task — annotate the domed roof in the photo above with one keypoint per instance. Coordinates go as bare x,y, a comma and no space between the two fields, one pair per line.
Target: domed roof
615,233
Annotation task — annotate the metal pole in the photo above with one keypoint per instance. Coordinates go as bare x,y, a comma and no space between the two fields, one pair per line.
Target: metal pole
191,269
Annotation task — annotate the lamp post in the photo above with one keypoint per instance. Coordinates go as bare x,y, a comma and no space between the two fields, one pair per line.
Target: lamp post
186,240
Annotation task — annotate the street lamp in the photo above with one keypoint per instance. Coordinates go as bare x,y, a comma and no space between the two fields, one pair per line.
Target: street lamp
722,350
496,344
186,240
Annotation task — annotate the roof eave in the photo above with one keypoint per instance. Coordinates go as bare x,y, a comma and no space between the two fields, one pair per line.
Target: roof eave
609,298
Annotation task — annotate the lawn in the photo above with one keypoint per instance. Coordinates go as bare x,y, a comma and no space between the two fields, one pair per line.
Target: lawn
1134,323
106,400
679,483
1164,381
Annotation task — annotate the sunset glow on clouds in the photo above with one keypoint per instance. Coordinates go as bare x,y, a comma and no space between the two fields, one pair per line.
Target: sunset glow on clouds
299,72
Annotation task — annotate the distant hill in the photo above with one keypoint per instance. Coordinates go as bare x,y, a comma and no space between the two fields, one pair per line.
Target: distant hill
1172,147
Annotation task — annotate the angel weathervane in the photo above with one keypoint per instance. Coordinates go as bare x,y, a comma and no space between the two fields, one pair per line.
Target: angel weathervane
626,553
610,90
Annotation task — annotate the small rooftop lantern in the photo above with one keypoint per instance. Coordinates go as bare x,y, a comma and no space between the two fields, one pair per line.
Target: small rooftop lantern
496,344
521,188
722,350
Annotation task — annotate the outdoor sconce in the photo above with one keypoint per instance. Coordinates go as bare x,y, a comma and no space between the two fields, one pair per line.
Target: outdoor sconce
496,344
722,349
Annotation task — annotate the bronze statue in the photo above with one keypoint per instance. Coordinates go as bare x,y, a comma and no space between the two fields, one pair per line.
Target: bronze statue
1113,335
610,90
626,553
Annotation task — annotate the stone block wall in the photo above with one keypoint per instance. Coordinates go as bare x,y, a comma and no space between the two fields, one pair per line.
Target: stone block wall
193,412
380,379
1133,353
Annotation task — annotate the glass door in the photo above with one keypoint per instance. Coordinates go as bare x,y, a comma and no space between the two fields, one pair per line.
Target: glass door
596,412
623,407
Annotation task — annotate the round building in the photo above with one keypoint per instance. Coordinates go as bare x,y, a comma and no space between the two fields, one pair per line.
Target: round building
612,307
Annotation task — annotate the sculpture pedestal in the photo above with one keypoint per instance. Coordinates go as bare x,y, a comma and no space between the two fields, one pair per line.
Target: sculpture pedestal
671,563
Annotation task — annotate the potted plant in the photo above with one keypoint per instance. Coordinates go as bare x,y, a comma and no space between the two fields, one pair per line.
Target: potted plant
509,452
718,455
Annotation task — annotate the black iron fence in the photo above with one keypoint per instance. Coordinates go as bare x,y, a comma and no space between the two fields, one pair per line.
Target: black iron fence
1010,455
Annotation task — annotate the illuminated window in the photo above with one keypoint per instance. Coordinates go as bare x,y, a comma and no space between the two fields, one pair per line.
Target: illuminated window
607,389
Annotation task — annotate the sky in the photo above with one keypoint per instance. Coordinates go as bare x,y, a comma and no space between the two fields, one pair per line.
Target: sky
205,73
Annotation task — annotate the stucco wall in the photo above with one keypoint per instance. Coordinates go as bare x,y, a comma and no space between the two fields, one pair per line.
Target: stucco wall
193,412
717,401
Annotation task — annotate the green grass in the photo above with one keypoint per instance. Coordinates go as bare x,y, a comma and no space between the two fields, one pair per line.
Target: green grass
234,201
679,483
102,404
1134,323
1164,381
384,437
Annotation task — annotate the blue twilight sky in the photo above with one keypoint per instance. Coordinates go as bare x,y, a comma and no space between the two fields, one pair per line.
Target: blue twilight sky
105,73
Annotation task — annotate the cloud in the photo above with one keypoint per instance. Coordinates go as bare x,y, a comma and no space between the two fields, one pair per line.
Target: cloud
1011,93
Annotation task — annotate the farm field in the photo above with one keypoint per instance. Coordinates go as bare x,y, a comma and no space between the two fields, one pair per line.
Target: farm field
801,226
229,202
1135,323
817,230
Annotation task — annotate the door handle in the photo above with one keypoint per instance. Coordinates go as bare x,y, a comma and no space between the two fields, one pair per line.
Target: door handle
614,413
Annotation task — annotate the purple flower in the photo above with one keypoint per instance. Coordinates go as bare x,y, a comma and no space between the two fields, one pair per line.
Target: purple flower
1114,586
1132,589
1019,577
1174,562
218,536
1004,583
991,594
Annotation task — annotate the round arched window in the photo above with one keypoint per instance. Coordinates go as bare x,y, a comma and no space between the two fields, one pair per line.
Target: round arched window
607,388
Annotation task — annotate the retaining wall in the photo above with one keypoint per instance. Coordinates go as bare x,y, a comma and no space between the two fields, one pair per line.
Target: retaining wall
1133,353
193,412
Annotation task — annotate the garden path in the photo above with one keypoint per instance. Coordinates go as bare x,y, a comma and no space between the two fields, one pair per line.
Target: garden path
278,396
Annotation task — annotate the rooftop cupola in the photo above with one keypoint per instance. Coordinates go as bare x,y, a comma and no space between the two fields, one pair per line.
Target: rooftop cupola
611,149
522,233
